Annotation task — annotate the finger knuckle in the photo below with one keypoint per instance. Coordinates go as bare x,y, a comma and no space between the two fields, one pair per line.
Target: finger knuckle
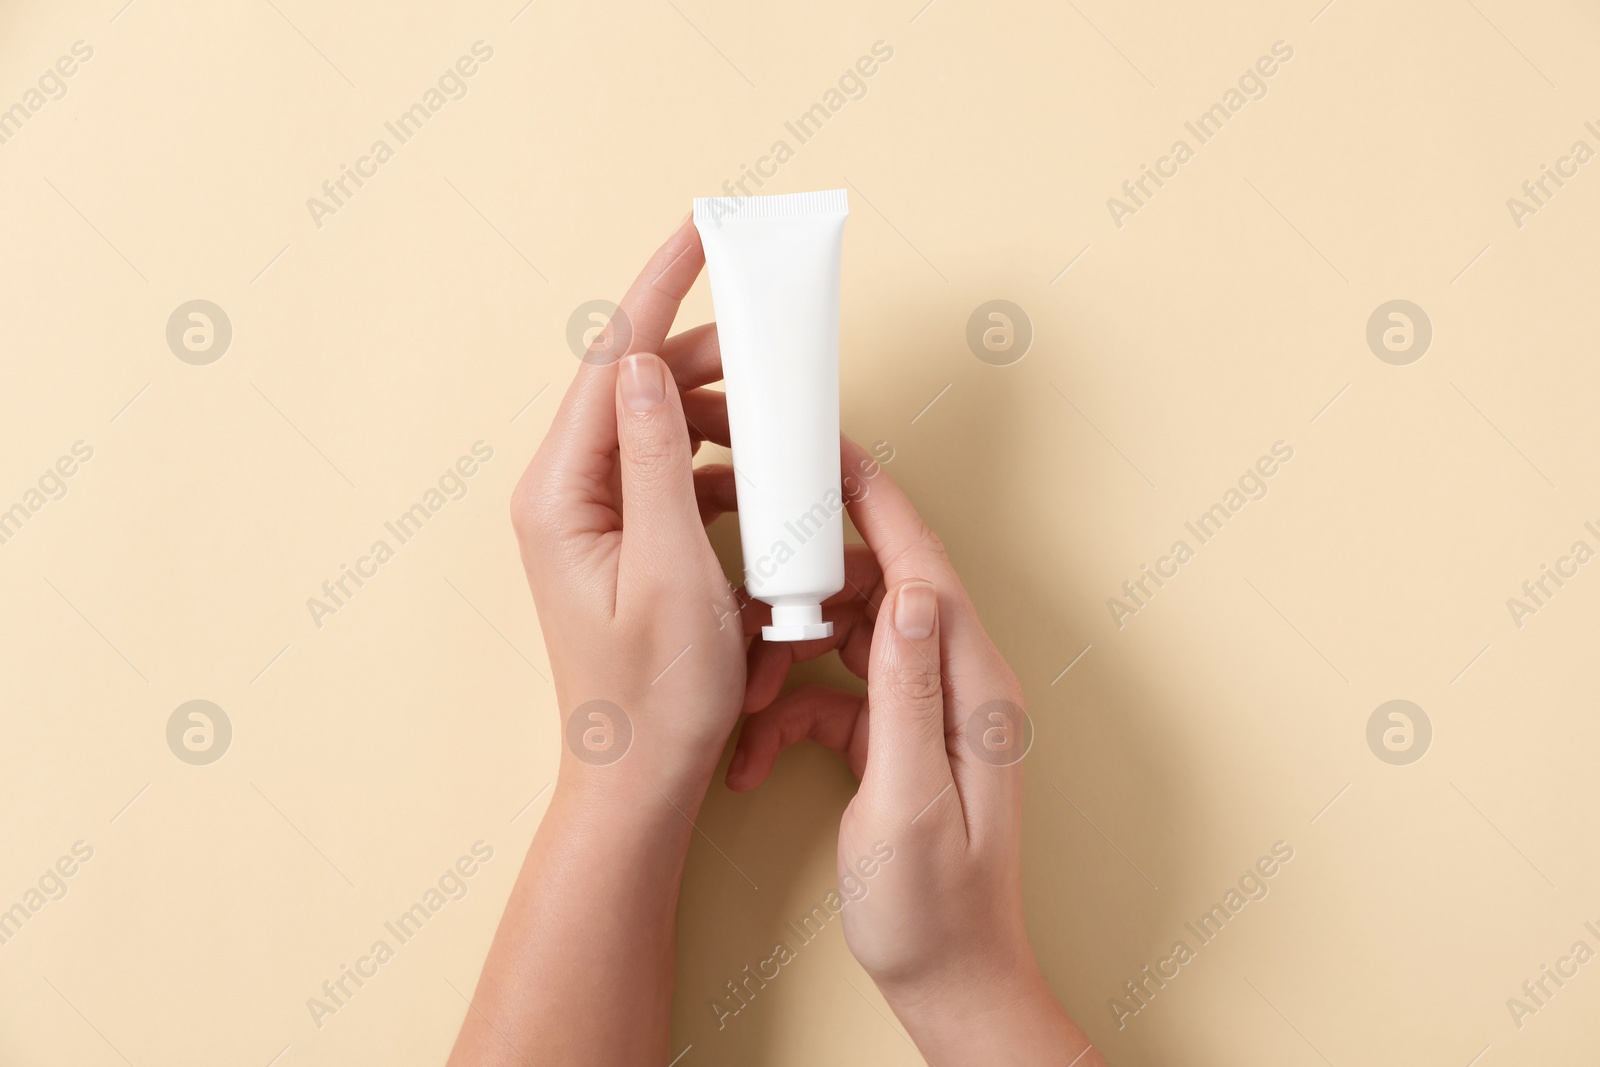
914,682
923,552
657,447
930,541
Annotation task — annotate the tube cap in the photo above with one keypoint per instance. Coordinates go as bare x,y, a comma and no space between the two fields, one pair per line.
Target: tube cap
797,622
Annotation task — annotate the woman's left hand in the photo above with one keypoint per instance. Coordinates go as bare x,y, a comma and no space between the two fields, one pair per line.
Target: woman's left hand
642,627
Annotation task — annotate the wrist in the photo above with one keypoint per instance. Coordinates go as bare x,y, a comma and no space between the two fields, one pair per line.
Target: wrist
960,993
987,1015
612,754
632,795
599,824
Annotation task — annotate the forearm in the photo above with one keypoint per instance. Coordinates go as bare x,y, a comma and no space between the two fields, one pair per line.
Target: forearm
580,969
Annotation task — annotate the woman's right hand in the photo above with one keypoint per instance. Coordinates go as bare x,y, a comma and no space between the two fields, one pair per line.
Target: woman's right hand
930,846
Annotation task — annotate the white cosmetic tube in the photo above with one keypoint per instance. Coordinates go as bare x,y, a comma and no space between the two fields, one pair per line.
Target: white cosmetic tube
774,264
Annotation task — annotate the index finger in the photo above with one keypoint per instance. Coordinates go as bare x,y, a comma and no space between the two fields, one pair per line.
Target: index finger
972,672
906,547
652,301
583,435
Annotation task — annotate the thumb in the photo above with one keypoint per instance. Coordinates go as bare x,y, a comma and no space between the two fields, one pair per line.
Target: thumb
908,769
659,512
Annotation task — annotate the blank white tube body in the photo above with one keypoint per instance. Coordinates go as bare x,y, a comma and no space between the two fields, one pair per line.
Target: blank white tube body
774,263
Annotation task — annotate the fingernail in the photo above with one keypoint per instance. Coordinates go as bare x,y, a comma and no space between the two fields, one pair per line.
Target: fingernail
914,609
736,765
641,383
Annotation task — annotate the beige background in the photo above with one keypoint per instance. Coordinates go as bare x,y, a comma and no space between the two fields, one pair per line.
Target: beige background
430,313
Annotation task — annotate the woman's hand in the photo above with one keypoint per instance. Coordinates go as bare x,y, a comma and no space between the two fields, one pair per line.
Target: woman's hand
641,625
938,743
649,660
